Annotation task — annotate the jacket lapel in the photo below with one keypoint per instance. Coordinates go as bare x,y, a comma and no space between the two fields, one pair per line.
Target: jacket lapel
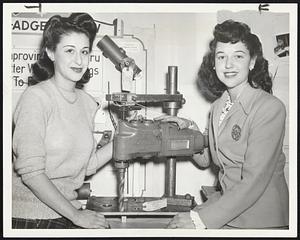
215,116
217,112
233,110
244,102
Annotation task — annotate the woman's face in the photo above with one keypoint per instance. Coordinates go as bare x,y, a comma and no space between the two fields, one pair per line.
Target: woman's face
232,63
71,57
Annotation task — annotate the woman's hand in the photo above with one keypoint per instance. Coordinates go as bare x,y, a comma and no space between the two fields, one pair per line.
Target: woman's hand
181,220
181,122
90,219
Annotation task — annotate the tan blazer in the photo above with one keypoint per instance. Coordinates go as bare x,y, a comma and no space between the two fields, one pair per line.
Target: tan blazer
247,147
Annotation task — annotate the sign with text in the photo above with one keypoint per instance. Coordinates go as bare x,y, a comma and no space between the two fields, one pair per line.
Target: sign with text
22,60
28,25
21,65
31,25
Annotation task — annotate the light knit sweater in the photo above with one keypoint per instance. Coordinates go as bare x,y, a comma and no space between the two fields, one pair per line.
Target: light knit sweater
54,137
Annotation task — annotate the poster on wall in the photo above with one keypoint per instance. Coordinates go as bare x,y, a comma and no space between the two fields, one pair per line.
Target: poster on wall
22,60
21,67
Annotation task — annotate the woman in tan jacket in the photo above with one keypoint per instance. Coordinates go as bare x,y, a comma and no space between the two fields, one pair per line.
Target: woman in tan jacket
246,129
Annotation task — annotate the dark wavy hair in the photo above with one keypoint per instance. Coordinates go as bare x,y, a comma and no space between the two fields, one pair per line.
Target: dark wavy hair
55,28
233,32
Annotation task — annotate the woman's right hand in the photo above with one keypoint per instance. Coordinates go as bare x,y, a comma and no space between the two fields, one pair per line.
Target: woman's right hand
181,220
90,219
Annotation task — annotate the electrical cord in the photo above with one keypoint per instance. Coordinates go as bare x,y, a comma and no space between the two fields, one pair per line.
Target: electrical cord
105,23
109,111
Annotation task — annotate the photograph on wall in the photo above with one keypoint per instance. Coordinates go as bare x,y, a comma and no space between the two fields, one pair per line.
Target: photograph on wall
283,44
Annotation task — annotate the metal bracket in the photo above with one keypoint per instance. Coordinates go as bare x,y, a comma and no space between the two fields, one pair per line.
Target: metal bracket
104,139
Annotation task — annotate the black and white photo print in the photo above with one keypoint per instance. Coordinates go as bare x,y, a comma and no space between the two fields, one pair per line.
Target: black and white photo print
149,120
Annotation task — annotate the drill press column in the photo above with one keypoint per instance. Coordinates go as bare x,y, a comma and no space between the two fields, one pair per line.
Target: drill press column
171,108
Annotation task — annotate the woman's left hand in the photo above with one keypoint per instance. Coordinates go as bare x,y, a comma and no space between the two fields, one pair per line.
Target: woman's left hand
181,122
181,220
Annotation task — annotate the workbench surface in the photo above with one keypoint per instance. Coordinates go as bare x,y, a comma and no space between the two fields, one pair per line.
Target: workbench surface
139,222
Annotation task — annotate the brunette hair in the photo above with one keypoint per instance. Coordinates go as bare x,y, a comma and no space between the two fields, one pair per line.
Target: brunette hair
55,28
233,32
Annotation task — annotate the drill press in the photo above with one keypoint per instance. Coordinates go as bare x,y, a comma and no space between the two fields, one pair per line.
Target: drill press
144,138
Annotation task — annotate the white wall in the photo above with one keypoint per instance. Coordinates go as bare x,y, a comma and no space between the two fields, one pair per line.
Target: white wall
170,40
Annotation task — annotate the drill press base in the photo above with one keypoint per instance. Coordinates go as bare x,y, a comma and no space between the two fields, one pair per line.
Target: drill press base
178,203
134,215
136,221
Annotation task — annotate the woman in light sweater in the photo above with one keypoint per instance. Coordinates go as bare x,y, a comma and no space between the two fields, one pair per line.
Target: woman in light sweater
53,141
